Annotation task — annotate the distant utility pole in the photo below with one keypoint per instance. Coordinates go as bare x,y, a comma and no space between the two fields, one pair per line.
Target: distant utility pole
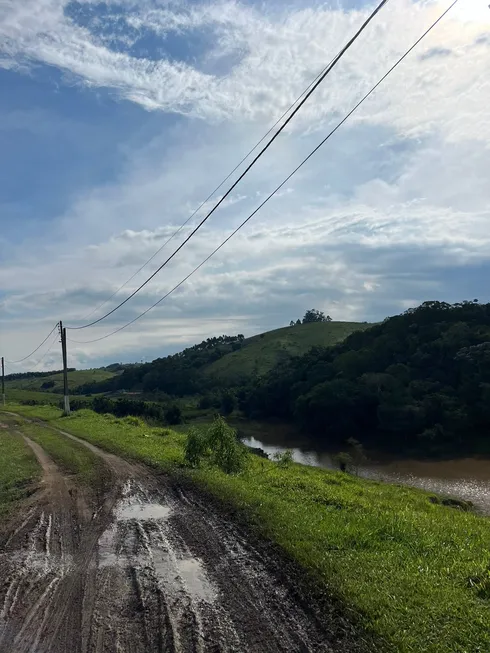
66,398
3,381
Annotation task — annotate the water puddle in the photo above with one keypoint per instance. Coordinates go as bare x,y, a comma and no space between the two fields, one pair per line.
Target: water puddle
142,511
195,580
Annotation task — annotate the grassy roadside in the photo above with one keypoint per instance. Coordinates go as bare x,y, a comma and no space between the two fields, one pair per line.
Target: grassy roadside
416,573
19,472
72,457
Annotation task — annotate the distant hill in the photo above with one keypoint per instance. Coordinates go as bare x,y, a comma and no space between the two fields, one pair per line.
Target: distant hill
261,353
54,382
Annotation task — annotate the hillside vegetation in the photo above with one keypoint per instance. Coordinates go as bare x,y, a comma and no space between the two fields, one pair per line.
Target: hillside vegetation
259,354
53,382
418,383
413,572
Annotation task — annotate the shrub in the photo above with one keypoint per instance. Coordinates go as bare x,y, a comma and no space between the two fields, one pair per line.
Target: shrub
195,447
218,444
284,458
343,460
227,452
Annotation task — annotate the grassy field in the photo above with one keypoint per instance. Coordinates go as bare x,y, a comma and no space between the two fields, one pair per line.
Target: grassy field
17,395
19,471
260,353
414,572
79,377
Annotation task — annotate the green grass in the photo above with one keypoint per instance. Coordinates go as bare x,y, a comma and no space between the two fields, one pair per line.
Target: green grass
70,456
415,573
19,472
79,377
260,353
17,395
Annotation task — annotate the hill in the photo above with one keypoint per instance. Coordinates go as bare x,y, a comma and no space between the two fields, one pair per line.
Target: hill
50,382
259,354
419,383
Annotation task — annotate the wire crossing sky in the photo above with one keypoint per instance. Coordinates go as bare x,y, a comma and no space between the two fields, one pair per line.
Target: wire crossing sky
119,118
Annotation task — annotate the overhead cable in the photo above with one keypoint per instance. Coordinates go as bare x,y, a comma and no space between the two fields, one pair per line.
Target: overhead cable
21,360
235,183
329,135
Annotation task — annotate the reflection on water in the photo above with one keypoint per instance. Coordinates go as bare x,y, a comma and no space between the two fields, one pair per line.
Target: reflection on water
467,479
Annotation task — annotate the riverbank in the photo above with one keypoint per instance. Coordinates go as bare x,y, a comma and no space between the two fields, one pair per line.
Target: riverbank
413,572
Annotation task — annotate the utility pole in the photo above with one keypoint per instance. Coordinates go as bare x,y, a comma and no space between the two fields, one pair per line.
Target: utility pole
3,381
66,398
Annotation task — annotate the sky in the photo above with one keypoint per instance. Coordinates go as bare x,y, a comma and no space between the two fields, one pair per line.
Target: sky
119,118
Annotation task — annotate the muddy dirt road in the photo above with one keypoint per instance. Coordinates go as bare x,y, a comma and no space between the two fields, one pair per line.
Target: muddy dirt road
150,567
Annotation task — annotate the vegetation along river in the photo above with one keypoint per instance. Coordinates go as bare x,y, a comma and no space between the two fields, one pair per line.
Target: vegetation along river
465,478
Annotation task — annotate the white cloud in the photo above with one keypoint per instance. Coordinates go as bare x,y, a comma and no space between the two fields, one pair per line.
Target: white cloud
398,197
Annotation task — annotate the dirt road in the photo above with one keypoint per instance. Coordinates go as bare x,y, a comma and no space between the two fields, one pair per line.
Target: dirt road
151,567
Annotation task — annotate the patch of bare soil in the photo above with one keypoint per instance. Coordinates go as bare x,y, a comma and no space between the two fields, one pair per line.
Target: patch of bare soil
152,568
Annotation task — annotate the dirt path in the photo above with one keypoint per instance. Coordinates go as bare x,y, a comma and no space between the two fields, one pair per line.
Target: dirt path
152,569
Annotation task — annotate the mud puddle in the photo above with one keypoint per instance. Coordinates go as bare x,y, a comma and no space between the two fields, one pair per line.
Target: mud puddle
153,568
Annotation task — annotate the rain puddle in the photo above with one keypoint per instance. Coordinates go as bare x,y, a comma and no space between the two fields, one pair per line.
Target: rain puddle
185,575
142,511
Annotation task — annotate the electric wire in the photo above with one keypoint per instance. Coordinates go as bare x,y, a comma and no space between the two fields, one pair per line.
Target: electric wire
235,183
184,224
329,135
21,360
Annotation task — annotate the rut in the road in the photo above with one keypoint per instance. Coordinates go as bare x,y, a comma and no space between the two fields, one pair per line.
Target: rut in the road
152,569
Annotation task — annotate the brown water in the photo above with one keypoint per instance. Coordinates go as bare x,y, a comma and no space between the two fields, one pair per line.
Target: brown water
465,478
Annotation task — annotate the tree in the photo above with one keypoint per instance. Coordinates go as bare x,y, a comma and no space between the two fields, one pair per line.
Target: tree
290,324
227,403
173,415
298,322
313,315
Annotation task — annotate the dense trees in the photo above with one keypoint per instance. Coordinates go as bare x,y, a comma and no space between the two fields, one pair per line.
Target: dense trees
312,315
418,382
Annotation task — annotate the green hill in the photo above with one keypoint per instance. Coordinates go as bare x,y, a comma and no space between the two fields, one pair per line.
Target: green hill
260,353
54,382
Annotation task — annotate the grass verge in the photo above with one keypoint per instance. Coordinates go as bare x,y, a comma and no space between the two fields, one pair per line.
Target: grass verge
19,471
417,574
72,457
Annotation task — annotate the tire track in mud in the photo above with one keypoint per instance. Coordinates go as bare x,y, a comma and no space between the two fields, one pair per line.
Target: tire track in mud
152,569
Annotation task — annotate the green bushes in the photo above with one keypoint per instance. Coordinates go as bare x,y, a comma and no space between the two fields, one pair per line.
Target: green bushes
216,444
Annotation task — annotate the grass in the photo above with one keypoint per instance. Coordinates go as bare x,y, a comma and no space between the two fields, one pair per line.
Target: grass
69,455
416,574
260,353
79,377
19,472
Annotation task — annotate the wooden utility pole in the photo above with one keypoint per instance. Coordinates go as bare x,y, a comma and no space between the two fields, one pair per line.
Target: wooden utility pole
66,398
3,381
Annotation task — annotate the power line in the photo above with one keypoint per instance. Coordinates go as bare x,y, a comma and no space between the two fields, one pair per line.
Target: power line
329,135
21,360
262,151
177,231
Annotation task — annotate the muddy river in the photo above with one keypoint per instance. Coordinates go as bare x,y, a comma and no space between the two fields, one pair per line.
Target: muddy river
466,478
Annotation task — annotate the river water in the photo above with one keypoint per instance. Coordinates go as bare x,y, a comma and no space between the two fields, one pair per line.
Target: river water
465,478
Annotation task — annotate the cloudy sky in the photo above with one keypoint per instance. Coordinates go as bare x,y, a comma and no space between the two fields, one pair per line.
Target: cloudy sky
118,118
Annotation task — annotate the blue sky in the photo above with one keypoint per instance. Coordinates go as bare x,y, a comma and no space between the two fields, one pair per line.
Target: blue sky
117,119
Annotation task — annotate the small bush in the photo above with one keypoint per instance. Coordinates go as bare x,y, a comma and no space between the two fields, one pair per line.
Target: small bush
133,421
284,458
343,460
218,444
227,452
195,447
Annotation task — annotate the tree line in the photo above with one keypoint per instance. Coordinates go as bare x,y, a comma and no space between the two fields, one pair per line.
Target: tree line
418,383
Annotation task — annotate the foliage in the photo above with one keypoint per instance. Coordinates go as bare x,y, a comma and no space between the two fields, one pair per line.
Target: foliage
314,315
418,383
196,447
343,460
284,458
390,556
228,401
218,444
173,415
